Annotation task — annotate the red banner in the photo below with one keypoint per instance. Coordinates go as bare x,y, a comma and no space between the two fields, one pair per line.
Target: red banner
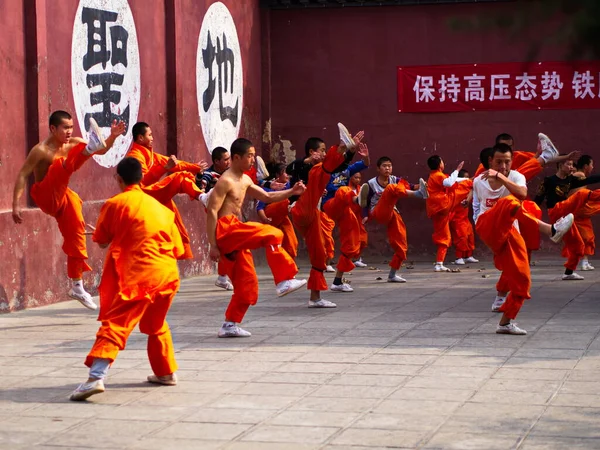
503,86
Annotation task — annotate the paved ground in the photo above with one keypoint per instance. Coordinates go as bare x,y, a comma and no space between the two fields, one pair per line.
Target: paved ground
395,366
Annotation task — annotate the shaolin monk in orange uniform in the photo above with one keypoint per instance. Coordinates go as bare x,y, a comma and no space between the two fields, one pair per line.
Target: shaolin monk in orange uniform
139,280
277,214
52,162
445,192
381,194
181,178
355,183
501,192
308,220
231,239
463,235
583,218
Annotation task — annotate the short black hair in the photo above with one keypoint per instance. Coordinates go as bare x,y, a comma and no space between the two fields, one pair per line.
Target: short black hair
558,164
279,168
484,157
130,171
504,137
434,162
57,117
139,129
312,143
383,159
240,147
217,153
583,160
501,148
462,173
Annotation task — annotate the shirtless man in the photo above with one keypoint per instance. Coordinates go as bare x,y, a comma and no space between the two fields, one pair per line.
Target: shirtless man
52,162
231,239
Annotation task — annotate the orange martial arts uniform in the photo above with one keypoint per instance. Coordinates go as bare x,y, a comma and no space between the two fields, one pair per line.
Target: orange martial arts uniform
583,221
235,239
140,277
279,214
440,205
574,247
339,208
462,232
385,213
328,226
182,180
54,197
496,229
308,220
363,237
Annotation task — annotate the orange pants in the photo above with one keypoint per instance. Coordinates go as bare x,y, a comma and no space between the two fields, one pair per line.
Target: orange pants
495,228
574,248
328,225
462,236
385,213
529,230
358,212
339,208
442,237
583,222
308,220
279,215
53,196
164,191
123,316
235,239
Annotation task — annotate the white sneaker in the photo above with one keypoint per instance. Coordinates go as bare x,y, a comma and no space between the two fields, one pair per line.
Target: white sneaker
95,139
471,260
510,328
86,390
288,286
363,195
261,169
561,226
423,188
165,380
224,283
329,269
498,302
346,137
321,303
573,277
84,298
396,279
441,268
549,150
204,199
460,262
344,287
231,329
360,263
584,266
291,206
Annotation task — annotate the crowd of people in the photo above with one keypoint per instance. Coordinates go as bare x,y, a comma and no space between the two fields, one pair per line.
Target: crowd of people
307,199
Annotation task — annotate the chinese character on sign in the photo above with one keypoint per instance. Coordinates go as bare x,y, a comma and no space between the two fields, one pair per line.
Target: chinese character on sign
424,89
551,85
98,53
499,89
449,88
225,60
526,88
583,84
474,90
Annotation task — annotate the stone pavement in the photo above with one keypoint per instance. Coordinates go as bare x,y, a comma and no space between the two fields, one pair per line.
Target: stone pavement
394,366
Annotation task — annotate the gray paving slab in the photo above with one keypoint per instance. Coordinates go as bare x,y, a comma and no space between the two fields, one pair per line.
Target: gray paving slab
415,365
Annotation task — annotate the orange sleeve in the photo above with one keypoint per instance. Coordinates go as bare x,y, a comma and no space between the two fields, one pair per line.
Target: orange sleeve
479,171
184,166
103,233
154,172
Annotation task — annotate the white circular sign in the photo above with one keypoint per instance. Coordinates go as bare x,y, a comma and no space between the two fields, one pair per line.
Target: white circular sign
105,70
219,78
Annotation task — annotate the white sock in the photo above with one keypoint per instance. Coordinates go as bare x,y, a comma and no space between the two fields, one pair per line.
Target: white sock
78,286
439,263
222,278
500,298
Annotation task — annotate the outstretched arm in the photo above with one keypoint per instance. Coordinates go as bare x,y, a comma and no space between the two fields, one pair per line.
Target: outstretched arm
275,196
35,156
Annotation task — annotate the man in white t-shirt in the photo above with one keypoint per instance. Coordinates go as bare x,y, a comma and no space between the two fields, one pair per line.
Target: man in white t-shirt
500,192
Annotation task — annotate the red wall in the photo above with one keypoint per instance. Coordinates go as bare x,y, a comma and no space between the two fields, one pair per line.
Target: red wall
331,65
36,80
